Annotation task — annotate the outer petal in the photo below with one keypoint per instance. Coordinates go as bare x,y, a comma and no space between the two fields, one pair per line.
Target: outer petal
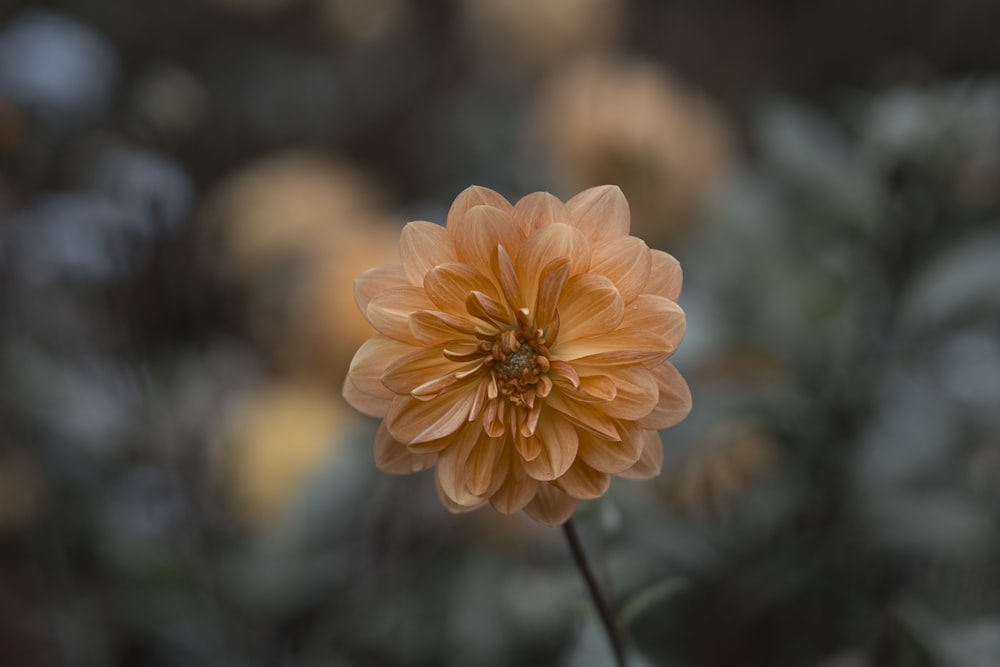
650,462
583,482
665,276
674,402
517,490
423,246
392,456
559,443
551,506
635,390
376,281
451,466
479,233
366,404
585,416
451,505
601,213
413,421
390,312
471,197
371,361
626,261
421,367
449,285
539,209
650,331
609,456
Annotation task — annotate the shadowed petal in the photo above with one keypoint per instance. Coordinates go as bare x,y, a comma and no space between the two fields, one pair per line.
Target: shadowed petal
583,415
390,312
559,442
626,261
583,482
601,213
650,461
517,489
551,506
635,386
366,404
609,456
451,466
372,359
449,285
413,421
471,197
379,280
674,398
486,467
423,246
393,457
665,276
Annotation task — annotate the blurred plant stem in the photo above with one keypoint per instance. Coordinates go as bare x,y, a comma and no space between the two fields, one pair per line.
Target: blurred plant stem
603,607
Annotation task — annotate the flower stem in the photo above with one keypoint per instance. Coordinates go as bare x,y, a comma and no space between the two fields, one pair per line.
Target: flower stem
604,609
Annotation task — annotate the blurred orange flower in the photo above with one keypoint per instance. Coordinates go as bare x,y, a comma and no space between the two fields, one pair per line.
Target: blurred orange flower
522,350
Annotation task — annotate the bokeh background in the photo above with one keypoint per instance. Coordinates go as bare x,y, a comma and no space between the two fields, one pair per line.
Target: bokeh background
188,188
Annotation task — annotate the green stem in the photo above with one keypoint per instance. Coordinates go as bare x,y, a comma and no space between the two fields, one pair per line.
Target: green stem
603,608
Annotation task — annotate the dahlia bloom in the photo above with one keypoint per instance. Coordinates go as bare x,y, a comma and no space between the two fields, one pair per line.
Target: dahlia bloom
522,352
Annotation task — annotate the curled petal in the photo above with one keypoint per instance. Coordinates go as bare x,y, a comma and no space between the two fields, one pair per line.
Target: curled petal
650,461
665,276
601,213
390,312
423,246
548,244
471,197
449,285
583,482
409,372
551,506
558,443
516,490
626,261
434,327
674,398
392,456
583,415
413,421
371,361
636,393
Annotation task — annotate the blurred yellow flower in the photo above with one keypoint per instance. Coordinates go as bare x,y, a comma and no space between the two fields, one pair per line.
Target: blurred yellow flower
631,123
522,351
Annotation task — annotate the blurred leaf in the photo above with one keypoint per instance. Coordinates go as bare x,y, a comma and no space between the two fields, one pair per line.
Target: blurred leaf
643,600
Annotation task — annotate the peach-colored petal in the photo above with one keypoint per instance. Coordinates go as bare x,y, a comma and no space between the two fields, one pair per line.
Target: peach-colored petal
454,507
422,247
590,306
451,466
390,312
551,506
556,241
479,233
674,398
583,415
370,361
408,373
635,390
366,404
471,197
583,482
517,489
539,209
412,421
433,327
665,276
379,280
449,285
486,466
559,441
650,330
626,261
611,456
551,283
650,462
393,457
601,213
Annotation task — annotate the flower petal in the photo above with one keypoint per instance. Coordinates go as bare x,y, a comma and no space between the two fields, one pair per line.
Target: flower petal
650,461
635,386
471,197
451,468
420,367
556,241
551,506
650,331
590,305
413,421
583,482
379,280
665,276
370,362
559,441
517,489
486,467
392,456
601,213
449,285
626,261
610,456
674,398
538,210
433,327
479,233
583,415
423,246
390,312
366,404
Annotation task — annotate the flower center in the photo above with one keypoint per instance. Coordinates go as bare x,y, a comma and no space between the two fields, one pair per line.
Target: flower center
517,363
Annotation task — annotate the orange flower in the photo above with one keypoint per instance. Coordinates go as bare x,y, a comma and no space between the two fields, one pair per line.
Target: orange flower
522,350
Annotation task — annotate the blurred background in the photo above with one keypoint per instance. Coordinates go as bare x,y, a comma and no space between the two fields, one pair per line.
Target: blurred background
188,188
